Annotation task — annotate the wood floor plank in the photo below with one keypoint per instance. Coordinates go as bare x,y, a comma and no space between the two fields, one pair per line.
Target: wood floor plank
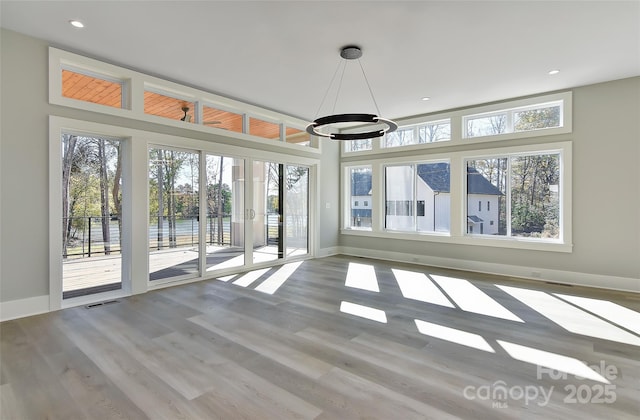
265,345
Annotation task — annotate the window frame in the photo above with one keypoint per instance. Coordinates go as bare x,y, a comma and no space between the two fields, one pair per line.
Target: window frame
458,125
135,83
458,189
345,223
123,82
532,150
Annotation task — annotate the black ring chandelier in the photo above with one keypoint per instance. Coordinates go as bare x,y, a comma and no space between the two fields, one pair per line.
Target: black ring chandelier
351,53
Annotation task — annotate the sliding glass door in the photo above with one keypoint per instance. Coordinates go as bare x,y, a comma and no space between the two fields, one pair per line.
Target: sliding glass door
91,215
266,211
280,211
243,224
225,209
297,210
174,230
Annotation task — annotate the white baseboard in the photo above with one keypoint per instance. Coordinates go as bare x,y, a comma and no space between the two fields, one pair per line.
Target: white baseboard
625,284
327,252
24,307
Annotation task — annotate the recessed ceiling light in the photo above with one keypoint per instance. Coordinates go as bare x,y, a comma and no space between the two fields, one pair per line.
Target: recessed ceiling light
76,23
555,71
426,98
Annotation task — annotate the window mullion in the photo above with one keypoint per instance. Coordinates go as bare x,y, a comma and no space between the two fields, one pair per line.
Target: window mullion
508,197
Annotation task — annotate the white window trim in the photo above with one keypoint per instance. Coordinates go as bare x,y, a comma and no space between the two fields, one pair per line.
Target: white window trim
458,190
345,221
135,211
415,128
134,85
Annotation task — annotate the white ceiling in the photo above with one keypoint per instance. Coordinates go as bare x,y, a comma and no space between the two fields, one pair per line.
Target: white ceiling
282,55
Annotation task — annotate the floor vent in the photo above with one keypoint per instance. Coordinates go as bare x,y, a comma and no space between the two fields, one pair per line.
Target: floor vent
95,305
559,284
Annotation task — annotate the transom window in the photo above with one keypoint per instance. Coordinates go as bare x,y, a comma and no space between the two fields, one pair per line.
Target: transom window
530,118
419,134
84,83
92,87
516,119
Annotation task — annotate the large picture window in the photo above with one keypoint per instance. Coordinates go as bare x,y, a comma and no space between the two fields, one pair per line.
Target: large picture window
514,197
418,197
521,192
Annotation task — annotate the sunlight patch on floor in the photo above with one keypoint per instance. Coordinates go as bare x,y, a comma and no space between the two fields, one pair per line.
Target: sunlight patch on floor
277,279
471,299
250,277
551,360
362,276
418,286
569,317
453,335
613,312
363,311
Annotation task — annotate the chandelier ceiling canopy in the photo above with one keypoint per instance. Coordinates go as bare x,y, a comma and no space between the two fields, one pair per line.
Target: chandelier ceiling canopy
351,52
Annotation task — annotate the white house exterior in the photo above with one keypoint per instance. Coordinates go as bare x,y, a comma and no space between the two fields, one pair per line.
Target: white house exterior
431,209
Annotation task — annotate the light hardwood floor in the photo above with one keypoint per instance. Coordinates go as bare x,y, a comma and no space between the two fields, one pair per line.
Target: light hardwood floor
454,345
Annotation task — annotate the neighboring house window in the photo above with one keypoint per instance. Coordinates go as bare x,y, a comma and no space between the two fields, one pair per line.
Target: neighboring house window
356,204
420,208
521,187
488,205
479,205
366,203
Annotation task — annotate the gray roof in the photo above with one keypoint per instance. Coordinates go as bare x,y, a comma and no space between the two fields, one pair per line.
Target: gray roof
437,177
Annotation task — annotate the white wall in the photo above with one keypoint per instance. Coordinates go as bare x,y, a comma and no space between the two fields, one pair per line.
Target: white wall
486,215
24,171
606,186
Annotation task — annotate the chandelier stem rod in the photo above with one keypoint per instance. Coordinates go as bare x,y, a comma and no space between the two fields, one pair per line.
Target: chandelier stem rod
369,86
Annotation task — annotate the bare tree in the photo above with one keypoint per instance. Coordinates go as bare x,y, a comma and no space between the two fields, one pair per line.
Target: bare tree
68,150
104,195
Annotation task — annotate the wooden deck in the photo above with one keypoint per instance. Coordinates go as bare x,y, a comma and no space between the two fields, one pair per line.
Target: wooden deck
101,270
